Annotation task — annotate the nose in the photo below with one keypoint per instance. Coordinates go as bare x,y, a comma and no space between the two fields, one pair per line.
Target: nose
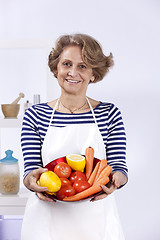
73,72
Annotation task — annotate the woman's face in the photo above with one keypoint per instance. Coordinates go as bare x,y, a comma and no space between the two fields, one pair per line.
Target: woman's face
72,73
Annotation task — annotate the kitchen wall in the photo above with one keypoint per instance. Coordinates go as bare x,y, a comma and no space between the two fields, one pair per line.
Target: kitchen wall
131,31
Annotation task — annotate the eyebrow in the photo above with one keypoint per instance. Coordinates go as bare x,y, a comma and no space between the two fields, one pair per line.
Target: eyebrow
66,59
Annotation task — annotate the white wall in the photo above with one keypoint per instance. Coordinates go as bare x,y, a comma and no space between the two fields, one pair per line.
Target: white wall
130,29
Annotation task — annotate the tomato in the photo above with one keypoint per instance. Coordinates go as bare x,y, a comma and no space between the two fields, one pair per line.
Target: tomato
77,175
65,181
65,191
80,186
50,166
62,169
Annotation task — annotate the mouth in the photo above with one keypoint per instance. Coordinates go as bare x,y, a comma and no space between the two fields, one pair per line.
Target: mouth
72,81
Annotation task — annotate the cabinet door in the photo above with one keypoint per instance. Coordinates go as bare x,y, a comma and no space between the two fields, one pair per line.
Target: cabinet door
10,227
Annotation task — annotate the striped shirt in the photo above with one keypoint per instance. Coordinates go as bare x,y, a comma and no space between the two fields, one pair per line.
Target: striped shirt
36,121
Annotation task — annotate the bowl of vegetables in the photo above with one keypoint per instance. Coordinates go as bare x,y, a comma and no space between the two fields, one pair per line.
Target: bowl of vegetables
79,181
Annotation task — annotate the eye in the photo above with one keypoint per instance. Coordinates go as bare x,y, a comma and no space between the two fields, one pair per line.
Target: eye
67,64
82,66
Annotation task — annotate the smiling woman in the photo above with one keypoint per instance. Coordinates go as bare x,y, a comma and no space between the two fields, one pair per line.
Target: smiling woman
69,125
73,74
91,52
77,61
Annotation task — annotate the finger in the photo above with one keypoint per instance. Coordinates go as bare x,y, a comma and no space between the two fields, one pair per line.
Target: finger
108,190
40,189
99,197
34,178
37,172
116,181
44,198
117,184
36,188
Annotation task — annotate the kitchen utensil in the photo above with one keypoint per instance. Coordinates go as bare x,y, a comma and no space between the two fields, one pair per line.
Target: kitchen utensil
10,110
21,95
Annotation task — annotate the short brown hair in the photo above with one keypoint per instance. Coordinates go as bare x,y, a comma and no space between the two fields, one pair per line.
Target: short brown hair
92,54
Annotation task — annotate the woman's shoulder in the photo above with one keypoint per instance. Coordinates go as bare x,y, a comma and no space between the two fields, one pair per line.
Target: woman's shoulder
39,113
52,103
101,105
39,109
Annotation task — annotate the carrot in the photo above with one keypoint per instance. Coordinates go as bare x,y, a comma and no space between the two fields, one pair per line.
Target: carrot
105,172
93,174
103,164
90,191
89,156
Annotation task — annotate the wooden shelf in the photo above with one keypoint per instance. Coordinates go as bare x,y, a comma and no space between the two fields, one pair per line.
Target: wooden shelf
14,204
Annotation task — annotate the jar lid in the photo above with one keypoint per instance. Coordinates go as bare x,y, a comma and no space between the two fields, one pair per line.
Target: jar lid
9,158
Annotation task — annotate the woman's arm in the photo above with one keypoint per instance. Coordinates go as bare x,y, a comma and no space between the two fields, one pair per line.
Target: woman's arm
31,142
116,145
115,152
118,180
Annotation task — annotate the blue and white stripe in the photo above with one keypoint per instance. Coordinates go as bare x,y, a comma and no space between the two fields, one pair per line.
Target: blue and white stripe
36,121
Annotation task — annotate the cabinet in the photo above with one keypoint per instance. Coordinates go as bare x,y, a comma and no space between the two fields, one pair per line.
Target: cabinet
13,204
10,123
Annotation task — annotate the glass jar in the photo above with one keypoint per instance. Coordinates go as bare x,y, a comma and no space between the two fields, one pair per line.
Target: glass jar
9,174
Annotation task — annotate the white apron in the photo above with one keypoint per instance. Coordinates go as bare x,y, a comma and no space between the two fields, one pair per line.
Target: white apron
83,220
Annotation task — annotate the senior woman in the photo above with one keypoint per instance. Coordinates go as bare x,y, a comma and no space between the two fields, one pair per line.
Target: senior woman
70,124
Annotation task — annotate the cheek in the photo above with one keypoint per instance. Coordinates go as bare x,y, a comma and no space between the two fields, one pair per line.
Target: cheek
88,77
61,73
89,74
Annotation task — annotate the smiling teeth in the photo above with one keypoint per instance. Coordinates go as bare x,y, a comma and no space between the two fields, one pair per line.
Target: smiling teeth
72,81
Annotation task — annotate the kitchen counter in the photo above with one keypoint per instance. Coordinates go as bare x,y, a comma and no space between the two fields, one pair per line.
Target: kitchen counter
14,204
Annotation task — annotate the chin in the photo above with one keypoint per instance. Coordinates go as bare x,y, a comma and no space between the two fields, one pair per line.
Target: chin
70,90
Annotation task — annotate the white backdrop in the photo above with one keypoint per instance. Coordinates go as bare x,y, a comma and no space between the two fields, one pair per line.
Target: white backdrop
130,29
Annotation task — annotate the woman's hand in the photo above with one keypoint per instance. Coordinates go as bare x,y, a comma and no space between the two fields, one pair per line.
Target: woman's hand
30,182
118,179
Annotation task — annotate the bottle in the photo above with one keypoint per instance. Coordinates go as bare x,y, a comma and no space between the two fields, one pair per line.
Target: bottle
9,174
36,99
27,105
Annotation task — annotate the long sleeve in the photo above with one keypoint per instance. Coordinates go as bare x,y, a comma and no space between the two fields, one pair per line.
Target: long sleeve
31,142
116,141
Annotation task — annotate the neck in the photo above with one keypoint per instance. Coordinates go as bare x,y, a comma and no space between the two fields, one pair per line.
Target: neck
72,103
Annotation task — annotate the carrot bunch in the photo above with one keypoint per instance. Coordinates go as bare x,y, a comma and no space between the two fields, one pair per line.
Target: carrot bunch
96,177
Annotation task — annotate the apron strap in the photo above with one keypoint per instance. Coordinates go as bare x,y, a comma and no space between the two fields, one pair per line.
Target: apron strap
93,114
54,109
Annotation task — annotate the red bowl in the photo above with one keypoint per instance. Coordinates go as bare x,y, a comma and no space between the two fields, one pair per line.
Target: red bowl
50,166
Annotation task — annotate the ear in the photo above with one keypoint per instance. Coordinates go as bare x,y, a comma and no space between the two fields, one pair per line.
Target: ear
55,73
92,79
